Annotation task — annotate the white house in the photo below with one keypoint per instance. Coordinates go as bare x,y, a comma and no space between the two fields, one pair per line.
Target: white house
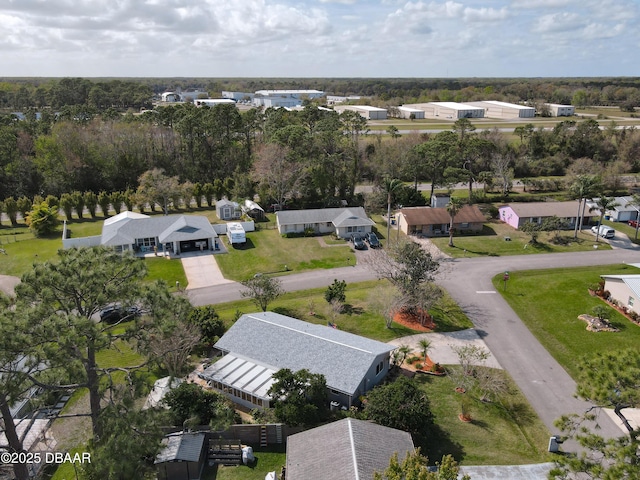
341,221
161,233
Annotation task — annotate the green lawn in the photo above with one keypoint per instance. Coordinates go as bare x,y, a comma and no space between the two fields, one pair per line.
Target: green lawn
360,317
266,251
549,302
267,460
505,432
492,242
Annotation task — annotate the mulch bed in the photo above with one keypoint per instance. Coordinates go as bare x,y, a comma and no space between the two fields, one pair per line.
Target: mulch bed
413,322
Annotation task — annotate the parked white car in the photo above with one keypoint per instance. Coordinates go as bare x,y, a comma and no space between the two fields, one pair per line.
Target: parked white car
605,231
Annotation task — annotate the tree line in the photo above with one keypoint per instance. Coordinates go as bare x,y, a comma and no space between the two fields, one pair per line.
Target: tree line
310,158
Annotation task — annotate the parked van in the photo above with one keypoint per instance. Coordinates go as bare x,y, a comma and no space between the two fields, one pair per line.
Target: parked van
236,234
605,231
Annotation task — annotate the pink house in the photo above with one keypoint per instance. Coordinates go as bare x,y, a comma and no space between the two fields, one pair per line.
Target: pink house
517,214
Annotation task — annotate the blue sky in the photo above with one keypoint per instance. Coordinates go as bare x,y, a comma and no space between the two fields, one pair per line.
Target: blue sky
320,38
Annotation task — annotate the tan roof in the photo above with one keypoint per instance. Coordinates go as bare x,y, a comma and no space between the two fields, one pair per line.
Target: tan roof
548,209
438,216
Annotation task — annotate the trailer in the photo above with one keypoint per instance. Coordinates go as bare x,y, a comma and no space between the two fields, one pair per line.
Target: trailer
236,234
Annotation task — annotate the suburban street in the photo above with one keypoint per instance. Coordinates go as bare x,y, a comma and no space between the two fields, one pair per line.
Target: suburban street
547,386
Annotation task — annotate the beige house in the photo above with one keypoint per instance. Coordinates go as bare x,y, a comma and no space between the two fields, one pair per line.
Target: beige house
433,222
625,289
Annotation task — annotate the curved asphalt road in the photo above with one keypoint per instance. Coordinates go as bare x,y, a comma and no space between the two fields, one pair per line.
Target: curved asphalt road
547,386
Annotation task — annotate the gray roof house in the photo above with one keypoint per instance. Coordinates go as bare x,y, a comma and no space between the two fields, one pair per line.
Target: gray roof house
169,233
346,449
143,233
260,344
623,212
183,456
341,221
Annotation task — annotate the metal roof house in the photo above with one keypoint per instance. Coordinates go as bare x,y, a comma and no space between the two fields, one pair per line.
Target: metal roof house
350,449
260,344
341,221
183,456
432,222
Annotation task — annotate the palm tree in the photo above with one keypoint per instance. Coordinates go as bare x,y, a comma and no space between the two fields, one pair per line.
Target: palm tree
390,186
603,204
583,187
425,346
453,207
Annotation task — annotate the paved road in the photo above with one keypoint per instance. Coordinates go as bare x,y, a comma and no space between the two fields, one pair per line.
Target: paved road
547,386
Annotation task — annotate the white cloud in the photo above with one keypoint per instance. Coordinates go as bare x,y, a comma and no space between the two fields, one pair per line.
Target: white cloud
558,22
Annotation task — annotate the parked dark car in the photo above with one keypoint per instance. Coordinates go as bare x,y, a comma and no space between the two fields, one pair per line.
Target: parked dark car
115,313
372,240
358,241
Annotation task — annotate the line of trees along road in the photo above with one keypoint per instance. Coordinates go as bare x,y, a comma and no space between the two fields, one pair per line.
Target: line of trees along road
311,157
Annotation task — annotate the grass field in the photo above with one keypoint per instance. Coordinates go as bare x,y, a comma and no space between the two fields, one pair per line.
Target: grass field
549,302
266,251
493,242
504,432
360,318
267,460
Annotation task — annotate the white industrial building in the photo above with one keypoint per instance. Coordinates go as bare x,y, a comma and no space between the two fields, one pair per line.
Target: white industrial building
334,99
366,111
212,102
558,110
496,109
238,96
283,98
408,112
448,110
180,96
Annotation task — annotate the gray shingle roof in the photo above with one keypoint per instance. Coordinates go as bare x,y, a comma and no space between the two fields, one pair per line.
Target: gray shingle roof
346,449
548,209
285,342
348,216
169,228
439,215
184,447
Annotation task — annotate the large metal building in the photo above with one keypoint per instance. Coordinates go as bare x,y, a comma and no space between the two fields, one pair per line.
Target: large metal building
408,112
367,111
447,110
495,109
558,110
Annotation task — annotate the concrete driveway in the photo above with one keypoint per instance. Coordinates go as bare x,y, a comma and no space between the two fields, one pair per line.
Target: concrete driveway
442,345
202,270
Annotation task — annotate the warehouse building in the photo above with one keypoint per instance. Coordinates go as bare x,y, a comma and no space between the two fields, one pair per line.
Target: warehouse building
557,110
366,111
448,110
412,113
495,109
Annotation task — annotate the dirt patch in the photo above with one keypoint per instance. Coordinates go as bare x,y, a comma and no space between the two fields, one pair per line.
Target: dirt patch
73,431
413,322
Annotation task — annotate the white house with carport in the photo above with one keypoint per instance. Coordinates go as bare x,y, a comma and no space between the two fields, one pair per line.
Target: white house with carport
259,344
143,233
342,221
625,289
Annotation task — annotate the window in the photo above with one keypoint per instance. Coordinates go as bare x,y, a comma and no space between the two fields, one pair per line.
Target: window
379,367
630,302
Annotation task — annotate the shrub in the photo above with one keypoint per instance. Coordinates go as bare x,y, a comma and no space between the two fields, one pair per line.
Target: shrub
336,291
